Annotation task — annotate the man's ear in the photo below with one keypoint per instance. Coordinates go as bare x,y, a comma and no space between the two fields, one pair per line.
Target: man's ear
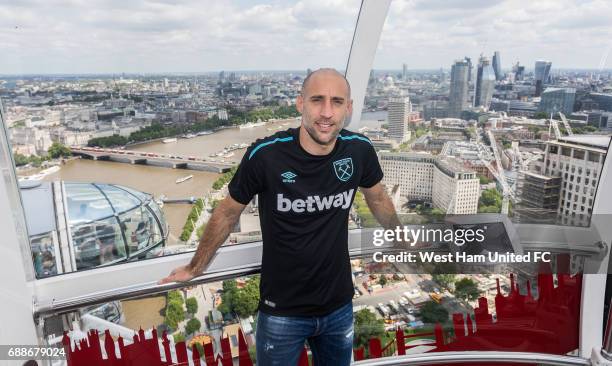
299,103
349,107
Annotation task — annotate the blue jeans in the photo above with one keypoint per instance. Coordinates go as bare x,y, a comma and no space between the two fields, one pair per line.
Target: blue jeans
280,339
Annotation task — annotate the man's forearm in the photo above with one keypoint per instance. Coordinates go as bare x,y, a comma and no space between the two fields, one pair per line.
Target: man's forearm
217,230
385,213
381,206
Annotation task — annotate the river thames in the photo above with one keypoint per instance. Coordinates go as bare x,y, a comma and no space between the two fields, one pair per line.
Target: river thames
158,181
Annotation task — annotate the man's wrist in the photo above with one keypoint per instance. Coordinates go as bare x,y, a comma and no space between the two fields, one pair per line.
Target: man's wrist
193,269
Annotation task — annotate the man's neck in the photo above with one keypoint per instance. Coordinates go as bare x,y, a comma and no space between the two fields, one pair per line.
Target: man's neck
311,146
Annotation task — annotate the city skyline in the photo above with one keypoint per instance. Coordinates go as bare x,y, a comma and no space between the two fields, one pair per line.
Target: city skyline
63,37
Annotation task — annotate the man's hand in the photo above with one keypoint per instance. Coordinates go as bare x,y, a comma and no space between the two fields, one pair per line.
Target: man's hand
218,228
179,274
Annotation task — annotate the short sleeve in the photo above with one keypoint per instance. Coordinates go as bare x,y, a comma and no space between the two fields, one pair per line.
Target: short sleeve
247,182
372,172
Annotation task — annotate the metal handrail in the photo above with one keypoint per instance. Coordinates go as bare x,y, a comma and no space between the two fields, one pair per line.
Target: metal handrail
139,290
471,357
356,250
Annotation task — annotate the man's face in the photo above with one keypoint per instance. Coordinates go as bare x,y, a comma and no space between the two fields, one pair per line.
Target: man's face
324,105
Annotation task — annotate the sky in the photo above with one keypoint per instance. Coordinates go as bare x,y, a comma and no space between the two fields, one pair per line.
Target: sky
156,36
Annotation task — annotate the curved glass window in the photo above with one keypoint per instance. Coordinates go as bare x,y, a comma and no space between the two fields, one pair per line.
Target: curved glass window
86,202
140,229
43,255
158,212
111,223
97,243
118,197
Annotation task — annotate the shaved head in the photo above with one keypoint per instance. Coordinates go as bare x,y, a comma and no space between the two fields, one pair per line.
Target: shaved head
329,71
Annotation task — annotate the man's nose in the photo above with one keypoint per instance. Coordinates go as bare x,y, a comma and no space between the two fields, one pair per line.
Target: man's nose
326,110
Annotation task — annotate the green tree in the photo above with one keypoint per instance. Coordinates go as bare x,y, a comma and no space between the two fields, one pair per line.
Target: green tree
242,302
437,214
467,289
192,305
432,312
21,159
193,325
175,295
114,140
483,179
230,289
57,150
174,314
367,326
443,279
490,197
382,280
178,337
247,298
541,115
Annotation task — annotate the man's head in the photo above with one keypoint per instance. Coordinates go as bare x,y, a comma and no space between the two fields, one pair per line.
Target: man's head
325,103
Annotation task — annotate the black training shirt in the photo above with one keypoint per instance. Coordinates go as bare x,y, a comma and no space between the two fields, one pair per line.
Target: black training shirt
304,202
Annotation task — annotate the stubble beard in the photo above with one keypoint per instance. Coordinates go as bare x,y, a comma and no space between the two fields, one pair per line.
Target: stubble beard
310,129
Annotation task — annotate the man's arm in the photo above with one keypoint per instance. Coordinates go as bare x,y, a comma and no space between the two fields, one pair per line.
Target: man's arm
381,206
218,228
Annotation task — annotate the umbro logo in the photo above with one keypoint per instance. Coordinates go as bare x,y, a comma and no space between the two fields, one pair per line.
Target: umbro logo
288,177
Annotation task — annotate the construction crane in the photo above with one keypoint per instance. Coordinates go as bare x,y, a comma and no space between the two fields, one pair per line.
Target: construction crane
555,126
507,191
566,124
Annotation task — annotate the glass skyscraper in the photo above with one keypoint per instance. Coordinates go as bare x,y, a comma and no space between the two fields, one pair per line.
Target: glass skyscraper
558,100
458,96
497,66
542,70
485,83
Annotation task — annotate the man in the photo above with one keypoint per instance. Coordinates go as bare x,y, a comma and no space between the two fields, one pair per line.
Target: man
306,179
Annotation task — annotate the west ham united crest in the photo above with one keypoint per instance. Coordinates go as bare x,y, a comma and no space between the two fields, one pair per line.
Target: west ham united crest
344,169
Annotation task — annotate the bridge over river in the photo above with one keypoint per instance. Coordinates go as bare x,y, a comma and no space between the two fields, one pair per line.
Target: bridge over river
155,159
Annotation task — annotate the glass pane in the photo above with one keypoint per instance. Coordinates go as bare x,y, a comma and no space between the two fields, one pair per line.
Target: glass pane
140,229
86,203
492,107
97,243
43,255
469,119
209,317
158,212
419,313
119,198
170,125
142,196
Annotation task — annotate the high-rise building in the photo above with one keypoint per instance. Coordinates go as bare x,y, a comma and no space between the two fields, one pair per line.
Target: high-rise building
399,109
458,95
519,71
404,72
485,83
443,181
542,71
578,160
470,66
557,100
371,79
539,198
308,71
603,101
497,66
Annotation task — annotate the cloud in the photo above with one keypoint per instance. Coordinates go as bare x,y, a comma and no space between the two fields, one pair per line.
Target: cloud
73,36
